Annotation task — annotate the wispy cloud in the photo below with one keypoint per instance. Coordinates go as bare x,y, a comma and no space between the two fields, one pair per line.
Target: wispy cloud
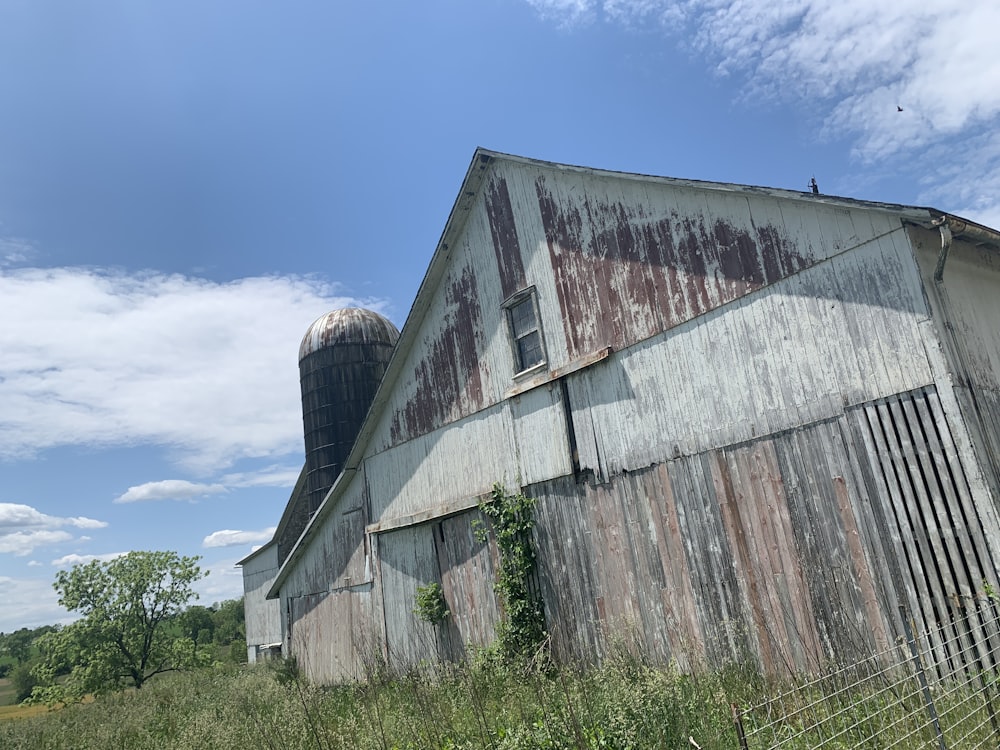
853,64
565,12
269,476
103,357
231,538
68,561
222,581
23,528
29,603
15,251
169,489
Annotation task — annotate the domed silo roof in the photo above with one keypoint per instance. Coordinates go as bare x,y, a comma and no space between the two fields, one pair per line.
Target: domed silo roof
350,325
342,359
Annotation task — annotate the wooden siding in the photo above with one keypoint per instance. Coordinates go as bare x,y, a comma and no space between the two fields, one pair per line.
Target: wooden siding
263,617
768,462
334,636
966,308
792,549
843,331
465,459
615,262
337,557
447,553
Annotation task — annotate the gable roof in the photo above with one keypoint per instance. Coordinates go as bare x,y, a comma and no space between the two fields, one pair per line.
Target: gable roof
468,194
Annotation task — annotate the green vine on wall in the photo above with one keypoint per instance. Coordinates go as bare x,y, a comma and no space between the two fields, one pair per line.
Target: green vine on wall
522,632
431,605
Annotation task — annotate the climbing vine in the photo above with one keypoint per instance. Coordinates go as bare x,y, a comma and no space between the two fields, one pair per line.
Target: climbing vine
522,632
431,605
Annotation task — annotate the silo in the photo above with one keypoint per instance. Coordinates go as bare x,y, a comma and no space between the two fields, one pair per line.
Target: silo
342,359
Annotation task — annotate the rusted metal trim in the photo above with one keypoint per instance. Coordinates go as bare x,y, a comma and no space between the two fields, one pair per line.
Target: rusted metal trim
428,514
526,385
946,236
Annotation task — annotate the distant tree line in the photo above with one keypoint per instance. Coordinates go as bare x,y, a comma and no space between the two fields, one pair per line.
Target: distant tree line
135,622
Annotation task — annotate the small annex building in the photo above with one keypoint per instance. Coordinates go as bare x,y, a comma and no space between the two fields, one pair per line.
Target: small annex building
756,422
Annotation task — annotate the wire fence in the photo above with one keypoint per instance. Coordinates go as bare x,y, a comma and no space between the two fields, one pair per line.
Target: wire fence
933,689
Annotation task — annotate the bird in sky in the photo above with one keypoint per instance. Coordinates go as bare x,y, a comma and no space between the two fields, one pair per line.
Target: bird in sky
898,108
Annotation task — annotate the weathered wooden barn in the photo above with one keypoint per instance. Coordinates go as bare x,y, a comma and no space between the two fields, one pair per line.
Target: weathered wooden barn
757,422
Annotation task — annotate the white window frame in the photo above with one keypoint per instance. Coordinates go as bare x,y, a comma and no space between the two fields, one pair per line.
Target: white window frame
508,306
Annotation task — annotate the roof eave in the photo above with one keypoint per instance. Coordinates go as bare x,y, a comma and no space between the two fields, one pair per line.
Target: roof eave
474,176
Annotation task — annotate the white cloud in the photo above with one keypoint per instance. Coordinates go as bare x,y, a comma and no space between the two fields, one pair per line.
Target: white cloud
23,543
23,528
565,12
29,603
102,357
15,515
852,63
223,580
269,476
168,489
68,561
14,251
231,538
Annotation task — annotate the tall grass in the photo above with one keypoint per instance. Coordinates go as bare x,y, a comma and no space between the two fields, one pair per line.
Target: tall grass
623,704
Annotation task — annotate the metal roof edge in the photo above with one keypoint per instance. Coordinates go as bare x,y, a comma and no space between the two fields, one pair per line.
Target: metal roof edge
925,216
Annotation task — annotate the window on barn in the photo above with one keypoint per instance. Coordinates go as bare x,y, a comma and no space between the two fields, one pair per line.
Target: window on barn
525,330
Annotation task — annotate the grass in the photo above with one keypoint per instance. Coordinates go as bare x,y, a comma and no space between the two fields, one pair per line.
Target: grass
7,692
621,705
21,712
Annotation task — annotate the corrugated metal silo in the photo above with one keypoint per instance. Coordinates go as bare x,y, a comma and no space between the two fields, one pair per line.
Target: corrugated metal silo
342,359
341,362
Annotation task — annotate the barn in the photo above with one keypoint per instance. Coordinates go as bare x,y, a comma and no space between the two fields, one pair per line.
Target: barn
758,425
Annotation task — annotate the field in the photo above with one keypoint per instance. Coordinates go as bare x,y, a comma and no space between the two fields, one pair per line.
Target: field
622,705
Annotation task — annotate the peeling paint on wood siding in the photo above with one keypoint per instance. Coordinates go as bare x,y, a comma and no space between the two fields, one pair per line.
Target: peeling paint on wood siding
966,310
263,618
623,275
443,552
406,561
445,465
506,247
777,549
332,634
468,569
943,558
336,557
792,354
449,378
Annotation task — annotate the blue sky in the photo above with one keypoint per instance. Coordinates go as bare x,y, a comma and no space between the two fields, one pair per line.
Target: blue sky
186,186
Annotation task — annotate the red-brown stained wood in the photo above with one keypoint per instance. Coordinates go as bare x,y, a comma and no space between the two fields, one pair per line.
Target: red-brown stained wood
622,277
859,563
678,598
449,377
506,246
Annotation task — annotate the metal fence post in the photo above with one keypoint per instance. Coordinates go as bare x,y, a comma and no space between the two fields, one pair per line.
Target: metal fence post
922,678
738,721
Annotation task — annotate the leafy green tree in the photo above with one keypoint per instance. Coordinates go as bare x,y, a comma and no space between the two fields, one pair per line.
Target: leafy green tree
229,622
122,638
19,645
23,680
197,623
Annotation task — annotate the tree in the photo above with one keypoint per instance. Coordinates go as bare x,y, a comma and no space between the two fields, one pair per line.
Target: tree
229,623
19,645
122,638
197,623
